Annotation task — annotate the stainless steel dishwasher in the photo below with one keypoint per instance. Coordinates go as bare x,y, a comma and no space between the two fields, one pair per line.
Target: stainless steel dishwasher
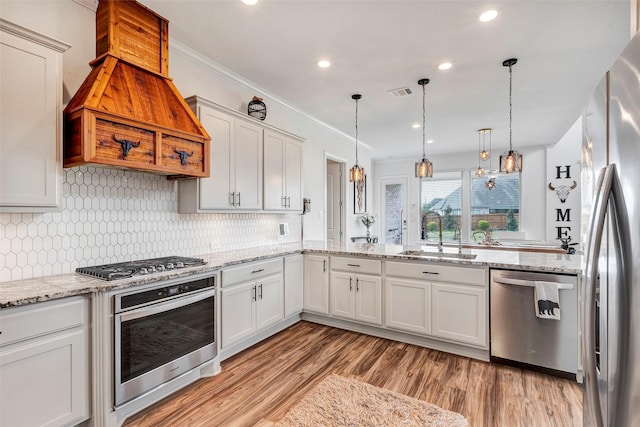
520,338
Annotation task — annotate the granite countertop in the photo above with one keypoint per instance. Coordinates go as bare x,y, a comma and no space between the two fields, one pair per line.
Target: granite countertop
27,291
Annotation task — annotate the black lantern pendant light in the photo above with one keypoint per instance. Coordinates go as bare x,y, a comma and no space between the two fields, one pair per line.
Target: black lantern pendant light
424,168
257,109
356,173
510,161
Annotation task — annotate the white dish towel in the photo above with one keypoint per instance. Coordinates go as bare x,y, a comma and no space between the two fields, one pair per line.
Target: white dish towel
547,300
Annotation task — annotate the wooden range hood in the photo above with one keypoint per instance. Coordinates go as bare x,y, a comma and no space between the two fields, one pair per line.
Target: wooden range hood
128,113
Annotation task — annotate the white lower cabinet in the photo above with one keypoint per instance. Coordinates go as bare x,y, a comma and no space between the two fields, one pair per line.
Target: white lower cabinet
293,284
251,299
438,300
356,289
44,364
316,284
459,313
407,305
356,297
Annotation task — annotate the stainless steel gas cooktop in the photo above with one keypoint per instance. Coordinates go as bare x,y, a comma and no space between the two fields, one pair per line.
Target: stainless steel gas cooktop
123,270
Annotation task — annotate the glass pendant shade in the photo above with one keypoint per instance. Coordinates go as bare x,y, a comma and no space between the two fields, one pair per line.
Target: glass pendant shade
356,173
484,155
479,171
510,161
424,169
490,183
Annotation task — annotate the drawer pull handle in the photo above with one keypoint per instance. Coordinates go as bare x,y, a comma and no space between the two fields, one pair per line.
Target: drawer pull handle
126,145
350,284
353,265
430,272
183,156
257,271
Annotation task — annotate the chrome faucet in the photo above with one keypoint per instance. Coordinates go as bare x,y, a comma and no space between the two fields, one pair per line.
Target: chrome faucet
458,233
440,246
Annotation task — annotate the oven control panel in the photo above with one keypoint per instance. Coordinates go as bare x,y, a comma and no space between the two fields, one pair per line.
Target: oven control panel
137,299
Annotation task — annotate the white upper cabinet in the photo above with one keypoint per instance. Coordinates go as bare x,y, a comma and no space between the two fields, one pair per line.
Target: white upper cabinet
240,148
236,164
282,172
30,120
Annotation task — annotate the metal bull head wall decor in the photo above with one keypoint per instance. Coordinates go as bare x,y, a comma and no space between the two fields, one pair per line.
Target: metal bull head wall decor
562,191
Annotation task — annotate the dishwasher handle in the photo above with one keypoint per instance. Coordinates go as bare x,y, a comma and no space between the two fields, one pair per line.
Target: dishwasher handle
528,283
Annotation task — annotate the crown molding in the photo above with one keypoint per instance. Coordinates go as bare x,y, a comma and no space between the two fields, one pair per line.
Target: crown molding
32,36
199,58
89,4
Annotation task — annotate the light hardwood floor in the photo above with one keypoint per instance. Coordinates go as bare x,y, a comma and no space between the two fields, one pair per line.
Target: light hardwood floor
259,385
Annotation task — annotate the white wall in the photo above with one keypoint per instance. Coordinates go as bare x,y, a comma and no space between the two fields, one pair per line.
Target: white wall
72,22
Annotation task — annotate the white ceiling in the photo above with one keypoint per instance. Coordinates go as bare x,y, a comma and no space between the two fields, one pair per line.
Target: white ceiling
563,50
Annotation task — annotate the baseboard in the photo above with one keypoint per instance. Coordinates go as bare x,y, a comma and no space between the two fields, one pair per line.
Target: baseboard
459,349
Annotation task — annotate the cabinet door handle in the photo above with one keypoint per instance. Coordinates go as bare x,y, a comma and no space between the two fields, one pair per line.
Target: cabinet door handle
353,265
430,272
232,198
324,266
350,284
238,198
260,291
254,293
257,271
288,201
357,285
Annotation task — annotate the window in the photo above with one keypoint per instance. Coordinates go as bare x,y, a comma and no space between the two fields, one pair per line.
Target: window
455,202
441,207
497,209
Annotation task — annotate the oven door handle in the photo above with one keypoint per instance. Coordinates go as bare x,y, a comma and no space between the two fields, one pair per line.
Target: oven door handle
165,306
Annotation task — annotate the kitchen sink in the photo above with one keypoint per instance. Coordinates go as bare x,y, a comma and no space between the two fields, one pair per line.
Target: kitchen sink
431,254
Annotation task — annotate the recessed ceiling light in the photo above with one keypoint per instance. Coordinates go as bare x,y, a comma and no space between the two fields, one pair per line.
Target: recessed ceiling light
324,63
251,2
488,15
429,141
444,66
415,126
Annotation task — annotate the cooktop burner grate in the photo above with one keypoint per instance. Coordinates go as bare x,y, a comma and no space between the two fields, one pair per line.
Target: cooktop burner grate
123,270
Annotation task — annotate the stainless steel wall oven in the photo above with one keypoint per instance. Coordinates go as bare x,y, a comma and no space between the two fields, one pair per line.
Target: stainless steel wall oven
161,333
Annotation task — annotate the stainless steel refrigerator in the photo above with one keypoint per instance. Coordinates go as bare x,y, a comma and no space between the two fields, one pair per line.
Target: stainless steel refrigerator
611,282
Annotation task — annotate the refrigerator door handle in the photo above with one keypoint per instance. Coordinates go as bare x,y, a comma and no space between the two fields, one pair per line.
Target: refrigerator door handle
596,228
609,195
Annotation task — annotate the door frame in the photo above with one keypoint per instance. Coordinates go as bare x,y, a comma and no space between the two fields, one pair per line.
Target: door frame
394,179
343,187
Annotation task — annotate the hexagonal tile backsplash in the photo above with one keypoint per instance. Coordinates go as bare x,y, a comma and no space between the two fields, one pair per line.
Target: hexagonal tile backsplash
112,215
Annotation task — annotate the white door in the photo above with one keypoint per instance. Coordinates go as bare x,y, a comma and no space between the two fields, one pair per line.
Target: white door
334,202
247,161
215,191
342,295
393,229
238,312
459,313
408,305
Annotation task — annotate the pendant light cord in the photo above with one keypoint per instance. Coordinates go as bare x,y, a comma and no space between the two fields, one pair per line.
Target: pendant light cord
510,107
357,132
424,121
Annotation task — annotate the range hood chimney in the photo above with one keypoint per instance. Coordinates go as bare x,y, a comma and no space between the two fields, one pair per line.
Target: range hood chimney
128,113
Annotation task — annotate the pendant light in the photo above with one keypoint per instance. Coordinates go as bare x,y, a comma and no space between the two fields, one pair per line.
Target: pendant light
424,168
482,136
356,173
510,161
